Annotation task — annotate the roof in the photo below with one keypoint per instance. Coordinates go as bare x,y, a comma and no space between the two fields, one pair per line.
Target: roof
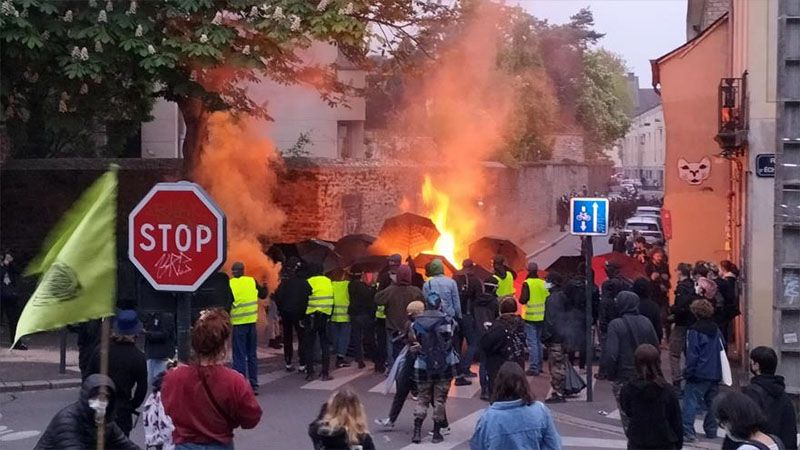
689,45
648,99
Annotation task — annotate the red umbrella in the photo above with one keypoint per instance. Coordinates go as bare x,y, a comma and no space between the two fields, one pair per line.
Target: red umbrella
630,267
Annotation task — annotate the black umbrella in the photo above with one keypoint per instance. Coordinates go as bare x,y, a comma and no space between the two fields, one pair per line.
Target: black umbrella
567,265
407,234
353,246
484,249
479,271
369,264
316,251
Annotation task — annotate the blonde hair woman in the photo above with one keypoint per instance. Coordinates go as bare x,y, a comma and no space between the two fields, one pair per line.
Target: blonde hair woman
341,424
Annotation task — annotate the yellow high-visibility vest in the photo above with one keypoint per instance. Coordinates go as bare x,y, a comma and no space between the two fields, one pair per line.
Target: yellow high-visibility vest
341,300
380,312
245,300
321,298
505,286
534,309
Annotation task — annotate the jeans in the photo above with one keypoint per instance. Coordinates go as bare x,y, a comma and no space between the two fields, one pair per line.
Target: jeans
244,352
360,326
696,393
469,331
216,446
533,331
154,368
316,326
340,332
290,327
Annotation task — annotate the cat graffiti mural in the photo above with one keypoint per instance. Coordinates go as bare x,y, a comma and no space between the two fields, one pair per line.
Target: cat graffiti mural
694,173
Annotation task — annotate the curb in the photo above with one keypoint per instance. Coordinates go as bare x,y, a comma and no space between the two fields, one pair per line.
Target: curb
38,385
548,246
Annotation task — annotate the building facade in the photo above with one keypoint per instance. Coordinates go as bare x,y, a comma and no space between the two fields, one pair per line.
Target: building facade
642,149
332,132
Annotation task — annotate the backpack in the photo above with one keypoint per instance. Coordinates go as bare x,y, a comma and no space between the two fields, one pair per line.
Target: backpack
514,348
158,425
435,345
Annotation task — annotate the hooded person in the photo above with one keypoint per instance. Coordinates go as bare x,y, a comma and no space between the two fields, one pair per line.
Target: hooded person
445,287
75,426
291,298
647,307
470,289
625,334
555,335
504,341
395,299
612,286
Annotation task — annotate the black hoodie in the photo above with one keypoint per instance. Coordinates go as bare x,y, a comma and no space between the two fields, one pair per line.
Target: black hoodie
655,415
73,428
625,333
769,391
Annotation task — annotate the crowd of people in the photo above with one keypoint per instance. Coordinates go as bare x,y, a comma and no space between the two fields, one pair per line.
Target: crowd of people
620,208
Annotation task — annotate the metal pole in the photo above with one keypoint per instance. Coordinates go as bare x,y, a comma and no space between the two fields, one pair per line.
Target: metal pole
184,319
62,360
588,251
105,333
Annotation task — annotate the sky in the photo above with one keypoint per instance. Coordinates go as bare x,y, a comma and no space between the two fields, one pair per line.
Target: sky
639,30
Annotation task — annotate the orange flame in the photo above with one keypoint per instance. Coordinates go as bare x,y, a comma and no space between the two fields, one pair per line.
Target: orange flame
437,203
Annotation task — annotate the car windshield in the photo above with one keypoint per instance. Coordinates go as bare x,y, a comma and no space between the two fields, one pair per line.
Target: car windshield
641,226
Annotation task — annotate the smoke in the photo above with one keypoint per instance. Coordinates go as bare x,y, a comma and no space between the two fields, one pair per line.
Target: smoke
238,168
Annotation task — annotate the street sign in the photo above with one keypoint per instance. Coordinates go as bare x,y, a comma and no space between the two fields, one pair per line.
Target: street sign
765,165
588,216
176,236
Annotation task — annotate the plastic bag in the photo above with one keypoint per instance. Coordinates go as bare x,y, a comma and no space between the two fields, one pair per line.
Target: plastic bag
573,383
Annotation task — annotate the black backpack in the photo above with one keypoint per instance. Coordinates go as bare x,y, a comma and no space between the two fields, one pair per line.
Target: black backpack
435,345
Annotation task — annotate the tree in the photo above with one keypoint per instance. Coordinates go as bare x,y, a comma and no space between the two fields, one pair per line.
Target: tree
200,54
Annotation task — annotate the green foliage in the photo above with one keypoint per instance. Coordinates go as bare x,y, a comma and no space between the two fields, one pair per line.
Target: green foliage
298,149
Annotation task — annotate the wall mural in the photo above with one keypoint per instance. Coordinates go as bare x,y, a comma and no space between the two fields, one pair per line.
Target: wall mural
694,173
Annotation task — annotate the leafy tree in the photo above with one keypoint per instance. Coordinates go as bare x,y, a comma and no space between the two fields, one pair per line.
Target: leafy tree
200,54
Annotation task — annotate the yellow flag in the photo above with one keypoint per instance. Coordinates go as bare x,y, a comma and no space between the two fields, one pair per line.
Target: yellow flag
78,263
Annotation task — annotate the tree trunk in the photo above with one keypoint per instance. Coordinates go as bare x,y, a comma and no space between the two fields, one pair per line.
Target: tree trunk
195,117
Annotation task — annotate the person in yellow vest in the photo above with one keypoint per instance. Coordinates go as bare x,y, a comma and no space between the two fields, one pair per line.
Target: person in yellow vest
504,277
340,321
244,315
534,296
318,314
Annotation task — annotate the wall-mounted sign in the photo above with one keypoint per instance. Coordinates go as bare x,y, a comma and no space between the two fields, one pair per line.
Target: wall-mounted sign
765,165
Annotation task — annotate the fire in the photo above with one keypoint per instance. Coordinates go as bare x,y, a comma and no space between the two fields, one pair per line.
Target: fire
438,205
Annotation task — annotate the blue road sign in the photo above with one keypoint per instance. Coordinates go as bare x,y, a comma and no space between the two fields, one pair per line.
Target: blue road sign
588,216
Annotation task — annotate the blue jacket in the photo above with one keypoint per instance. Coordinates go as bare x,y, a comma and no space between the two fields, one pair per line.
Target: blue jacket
513,425
703,344
448,292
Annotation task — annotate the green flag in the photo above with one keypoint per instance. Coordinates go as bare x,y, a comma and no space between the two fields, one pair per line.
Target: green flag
78,263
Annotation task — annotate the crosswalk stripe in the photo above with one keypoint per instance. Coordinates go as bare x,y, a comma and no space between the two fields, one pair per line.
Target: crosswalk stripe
460,431
340,378
381,386
586,442
272,376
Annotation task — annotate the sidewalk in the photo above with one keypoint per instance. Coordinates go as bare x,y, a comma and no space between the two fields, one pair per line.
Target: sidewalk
536,244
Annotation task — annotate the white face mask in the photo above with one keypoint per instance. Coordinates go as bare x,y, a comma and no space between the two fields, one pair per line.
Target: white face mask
548,285
99,407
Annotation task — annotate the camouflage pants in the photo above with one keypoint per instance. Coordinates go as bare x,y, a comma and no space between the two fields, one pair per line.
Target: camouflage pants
432,392
558,367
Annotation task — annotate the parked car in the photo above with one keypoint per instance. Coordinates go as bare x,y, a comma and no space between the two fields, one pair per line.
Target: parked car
632,181
647,226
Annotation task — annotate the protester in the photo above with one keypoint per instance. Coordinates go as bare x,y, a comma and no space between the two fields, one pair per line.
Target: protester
362,315
395,300
533,296
470,289
575,328
127,367
612,286
291,297
486,311
555,335
651,405
9,299
206,400
703,370
682,318
244,315
416,278
386,277
341,424
445,288
640,249
340,321
404,378
75,426
318,313
625,334
769,392
744,423
158,427
515,420
503,276
88,336
504,341
159,343
729,290
647,307
435,363
657,270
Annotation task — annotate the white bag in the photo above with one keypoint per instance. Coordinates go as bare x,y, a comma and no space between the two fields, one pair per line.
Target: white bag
727,376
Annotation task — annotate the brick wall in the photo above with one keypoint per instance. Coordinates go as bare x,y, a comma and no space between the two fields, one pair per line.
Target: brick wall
568,146
712,11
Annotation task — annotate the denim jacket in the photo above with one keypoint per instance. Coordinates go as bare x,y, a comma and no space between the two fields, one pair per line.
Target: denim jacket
448,292
507,425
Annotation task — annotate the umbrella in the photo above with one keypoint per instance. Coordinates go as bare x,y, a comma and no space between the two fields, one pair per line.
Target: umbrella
567,265
630,267
319,252
353,246
423,259
369,264
484,249
479,271
282,252
408,234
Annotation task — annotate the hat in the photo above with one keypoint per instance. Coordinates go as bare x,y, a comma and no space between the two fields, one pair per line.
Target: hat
436,267
415,308
126,323
404,275
533,268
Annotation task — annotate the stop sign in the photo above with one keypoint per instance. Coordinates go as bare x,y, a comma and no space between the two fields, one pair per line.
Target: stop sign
176,236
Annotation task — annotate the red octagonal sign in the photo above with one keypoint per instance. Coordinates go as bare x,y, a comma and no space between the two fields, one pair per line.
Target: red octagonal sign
176,236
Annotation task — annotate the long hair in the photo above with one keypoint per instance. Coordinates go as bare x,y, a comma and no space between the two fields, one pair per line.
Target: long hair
210,334
345,411
511,384
648,364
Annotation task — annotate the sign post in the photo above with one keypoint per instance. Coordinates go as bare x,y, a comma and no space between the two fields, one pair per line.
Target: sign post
588,217
176,238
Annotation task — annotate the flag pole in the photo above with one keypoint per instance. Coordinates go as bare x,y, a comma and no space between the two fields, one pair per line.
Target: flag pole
104,339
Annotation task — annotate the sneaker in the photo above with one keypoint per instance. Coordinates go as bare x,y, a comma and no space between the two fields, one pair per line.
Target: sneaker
340,362
444,430
414,397
461,381
385,423
289,368
301,368
556,399
689,438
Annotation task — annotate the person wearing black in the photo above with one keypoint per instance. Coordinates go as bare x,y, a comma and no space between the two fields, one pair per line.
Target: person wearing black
625,334
555,336
744,423
470,288
127,367
386,277
652,405
159,343
657,270
416,278
647,307
729,290
88,336
75,426
362,316
291,297
682,318
486,311
612,286
505,340
9,300
769,392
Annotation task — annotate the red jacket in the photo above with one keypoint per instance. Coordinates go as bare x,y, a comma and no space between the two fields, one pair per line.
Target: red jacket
193,413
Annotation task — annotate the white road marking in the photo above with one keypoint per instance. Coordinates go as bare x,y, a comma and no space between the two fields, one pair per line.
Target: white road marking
273,376
460,431
340,378
571,441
